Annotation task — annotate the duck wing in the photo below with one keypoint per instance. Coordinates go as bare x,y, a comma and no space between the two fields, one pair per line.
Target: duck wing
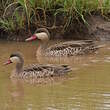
41,71
71,48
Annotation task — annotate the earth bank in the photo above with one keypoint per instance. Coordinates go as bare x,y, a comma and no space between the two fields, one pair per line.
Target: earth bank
97,28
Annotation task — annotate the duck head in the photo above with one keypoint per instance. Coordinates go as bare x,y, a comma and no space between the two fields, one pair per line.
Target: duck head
14,58
41,34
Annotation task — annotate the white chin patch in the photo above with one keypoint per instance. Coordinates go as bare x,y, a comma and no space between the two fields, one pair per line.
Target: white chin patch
15,59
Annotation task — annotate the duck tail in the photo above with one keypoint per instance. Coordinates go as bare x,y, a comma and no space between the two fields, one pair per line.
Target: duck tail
100,46
67,68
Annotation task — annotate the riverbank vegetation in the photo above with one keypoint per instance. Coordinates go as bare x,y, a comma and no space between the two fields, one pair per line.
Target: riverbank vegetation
19,16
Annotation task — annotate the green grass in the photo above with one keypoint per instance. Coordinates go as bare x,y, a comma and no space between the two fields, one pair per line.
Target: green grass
37,12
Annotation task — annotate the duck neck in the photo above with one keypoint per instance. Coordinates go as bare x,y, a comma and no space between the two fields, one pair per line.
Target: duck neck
19,67
42,48
44,38
44,45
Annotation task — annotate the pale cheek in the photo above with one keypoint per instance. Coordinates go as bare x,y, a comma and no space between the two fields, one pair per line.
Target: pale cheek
14,59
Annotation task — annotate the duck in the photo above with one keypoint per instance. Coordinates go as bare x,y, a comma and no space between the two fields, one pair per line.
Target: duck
35,70
66,49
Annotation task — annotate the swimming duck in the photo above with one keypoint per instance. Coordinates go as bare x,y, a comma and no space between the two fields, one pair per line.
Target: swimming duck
69,48
35,70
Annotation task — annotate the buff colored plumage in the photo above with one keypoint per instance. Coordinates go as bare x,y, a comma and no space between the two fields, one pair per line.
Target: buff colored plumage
69,48
35,70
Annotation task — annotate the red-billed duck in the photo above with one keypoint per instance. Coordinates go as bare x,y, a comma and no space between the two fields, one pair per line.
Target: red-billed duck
35,70
69,48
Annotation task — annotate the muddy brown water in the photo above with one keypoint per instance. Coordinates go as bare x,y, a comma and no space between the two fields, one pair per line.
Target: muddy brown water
87,87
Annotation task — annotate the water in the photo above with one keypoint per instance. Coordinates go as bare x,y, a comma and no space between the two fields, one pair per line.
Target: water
87,87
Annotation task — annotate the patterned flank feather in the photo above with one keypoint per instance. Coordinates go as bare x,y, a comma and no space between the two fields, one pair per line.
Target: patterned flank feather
71,48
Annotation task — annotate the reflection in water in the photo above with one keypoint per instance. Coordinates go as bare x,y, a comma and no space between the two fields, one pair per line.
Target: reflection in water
11,96
18,91
64,60
86,88
47,80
